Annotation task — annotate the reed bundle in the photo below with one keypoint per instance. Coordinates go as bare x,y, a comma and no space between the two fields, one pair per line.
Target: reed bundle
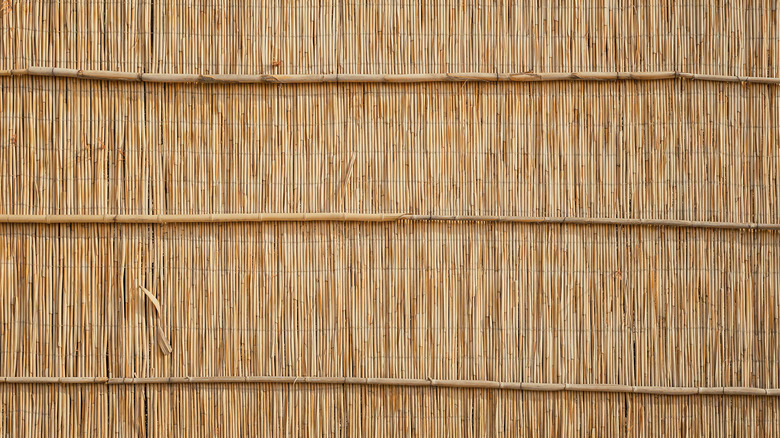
389,218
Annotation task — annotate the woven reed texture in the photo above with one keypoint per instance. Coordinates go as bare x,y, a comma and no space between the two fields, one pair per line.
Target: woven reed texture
650,150
465,306
390,411
431,300
392,36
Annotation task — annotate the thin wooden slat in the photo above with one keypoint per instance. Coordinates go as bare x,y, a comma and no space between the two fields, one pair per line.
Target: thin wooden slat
180,78
479,384
358,217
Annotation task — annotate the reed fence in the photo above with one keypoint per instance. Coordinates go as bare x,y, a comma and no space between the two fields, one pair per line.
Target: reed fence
389,218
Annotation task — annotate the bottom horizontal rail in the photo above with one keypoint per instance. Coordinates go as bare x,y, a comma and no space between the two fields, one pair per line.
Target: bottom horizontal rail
472,384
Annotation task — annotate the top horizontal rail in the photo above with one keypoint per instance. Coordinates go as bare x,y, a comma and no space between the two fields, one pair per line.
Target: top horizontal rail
363,217
106,75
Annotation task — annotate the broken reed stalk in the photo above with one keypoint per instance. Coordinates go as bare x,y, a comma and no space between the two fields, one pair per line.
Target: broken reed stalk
478,384
361,217
179,78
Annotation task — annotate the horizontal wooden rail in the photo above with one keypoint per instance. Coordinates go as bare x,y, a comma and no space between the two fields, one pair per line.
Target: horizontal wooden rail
360,217
474,384
597,221
105,75
197,218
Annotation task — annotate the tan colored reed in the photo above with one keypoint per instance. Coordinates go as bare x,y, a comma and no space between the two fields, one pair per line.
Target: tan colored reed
575,327
441,149
404,37
498,238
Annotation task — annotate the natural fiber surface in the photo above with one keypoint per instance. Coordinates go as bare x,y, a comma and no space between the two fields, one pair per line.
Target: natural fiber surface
420,298
571,304
495,302
666,150
392,36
